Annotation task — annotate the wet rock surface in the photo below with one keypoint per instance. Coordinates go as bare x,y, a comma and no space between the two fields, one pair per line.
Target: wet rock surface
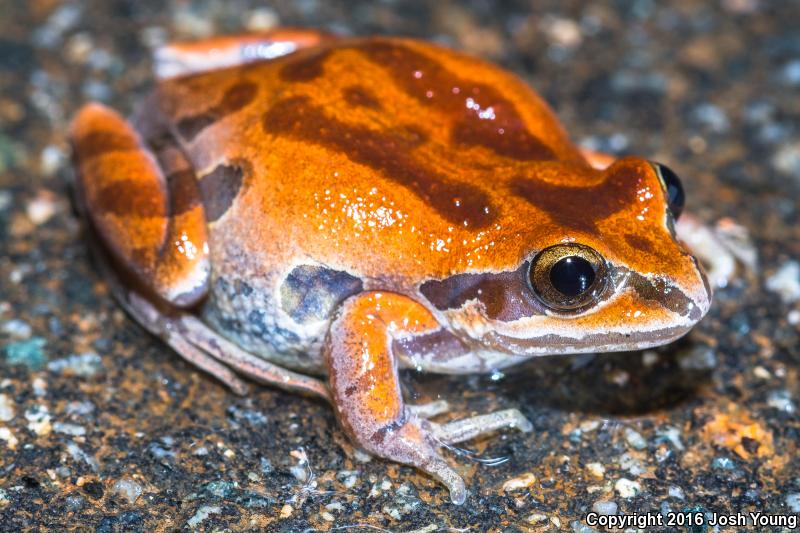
102,427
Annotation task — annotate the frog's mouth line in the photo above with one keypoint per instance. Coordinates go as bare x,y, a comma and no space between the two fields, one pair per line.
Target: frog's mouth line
552,344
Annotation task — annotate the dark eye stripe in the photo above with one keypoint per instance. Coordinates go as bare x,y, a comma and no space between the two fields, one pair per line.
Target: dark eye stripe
505,295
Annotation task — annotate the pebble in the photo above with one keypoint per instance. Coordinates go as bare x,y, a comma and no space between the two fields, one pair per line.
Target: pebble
779,399
203,513
520,482
51,159
28,353
16,329
127,489
631,464
84,365
579,527
627,488
348,477
596,469
605,507
69,429
261,19
78,454
42,207
697,358
536,518
8,436
785,282
793,502
4,498
38,418
635,439
672,435
790,73
6,408
675,491
5,200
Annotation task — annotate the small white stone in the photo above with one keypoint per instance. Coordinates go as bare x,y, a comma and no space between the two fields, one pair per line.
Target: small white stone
6,408
675,491
127,489
596,469
202,514
261,19
793,502
627,488
786,282
635,439
7,436
781,400
762,373
38,419
536,518
69,429
42,207
649,358
16,329
604,507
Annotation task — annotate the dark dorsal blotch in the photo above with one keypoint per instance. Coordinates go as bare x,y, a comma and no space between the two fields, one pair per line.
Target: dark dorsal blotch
580,206
311,293
234,99
358,96
481,115
505,296
219,188
302,68
388,152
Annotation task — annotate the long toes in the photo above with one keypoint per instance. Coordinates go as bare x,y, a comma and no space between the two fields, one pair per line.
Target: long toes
439,469
469,428
428,410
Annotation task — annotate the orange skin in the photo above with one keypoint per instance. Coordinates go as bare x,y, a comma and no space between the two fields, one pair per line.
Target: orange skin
331,209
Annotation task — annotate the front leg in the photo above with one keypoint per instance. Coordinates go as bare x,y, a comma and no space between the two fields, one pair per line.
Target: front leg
366,388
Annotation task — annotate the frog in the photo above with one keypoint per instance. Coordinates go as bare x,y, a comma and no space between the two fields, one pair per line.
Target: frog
318,213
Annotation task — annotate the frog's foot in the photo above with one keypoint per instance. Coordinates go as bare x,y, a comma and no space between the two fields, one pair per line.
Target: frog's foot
429,410
184,58
366,389
470,428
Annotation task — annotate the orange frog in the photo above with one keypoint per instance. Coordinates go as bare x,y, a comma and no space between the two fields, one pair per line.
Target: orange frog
292,204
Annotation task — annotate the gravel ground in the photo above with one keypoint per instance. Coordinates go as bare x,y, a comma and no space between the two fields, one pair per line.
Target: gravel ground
103,428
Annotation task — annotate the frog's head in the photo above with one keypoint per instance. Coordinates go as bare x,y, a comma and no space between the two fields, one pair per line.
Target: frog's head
603,271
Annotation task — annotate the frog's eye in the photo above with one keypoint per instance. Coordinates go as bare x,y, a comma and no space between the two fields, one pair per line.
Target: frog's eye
568,277
674,189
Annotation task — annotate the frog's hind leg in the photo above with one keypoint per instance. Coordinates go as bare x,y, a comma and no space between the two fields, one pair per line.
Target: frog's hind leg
184,58
153,225
366,389
143,203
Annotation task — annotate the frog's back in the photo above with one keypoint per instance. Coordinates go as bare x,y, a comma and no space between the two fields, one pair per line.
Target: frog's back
365,155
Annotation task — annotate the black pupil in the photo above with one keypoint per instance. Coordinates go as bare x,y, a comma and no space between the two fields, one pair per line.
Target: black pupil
675,195
572,275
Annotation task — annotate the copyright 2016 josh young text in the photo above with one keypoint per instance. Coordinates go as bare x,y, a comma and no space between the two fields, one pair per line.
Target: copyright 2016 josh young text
692,519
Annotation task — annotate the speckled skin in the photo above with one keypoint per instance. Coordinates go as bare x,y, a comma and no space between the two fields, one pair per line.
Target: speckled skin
379,200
